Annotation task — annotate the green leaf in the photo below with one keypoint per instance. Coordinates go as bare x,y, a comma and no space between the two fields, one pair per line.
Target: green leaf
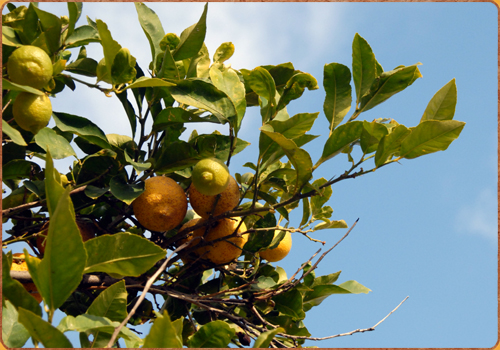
204,95
215,334
61,269
175,156
58,145
327,224
74,11
18,169
290,304
42,331
430,136
364,66
327,279
337,84
199,65
111,303
163,333
151,26
139,167
390,144
53,188
300,159
295,87
176,115
83,35
124,191
14,291
229,82
169,69
262,83
109,46
342,137
14,334
143,82
9,85
224,52
82,127
129,110
9,37
51,27
122,254
371,135
389,84
192,38
123,69
91,323
265,338
355,287
94,192
443,103
261,239
83,66
322,291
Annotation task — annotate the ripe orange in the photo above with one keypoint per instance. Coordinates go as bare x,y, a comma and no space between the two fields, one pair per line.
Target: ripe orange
282,250
203,204
162,206
223,251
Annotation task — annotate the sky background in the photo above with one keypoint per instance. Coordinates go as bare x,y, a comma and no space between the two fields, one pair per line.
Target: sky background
427,227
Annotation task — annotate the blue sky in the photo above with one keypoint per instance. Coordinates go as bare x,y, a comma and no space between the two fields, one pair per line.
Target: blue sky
428,226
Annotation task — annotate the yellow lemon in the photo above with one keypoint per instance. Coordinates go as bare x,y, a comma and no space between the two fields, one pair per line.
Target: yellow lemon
30,65
210,176
20,265
162,206
32,112
282,250
203,204
222,251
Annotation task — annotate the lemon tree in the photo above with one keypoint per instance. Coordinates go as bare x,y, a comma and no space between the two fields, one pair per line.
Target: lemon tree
170,216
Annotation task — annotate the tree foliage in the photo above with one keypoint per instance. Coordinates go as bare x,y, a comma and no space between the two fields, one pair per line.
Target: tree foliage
200,304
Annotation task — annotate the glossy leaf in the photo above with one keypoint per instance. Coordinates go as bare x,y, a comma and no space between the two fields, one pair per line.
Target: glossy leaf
14,291
299,157
58,145
124,191
123,69
371,135
430,136
163,333
109,46
61,269
42,331
390,144
341,137
215,334
443,103
18,169
364,66
199,65
111,303
83,66
122,254
322,291
204,95
295,87
9,85
151,25
138,166
224,52
51,27
143,82
389,84
9,37
14,334
83,35
229,82
261,82
337,84
91,323
290,304
192,38
169,69
74,11
176,115
82,127
265,338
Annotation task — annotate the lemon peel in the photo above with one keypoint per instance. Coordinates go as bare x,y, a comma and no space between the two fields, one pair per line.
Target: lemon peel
30,65
203,204
32,112
210,176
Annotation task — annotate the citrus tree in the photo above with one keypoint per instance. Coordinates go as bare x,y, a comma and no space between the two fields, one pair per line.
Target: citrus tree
149,227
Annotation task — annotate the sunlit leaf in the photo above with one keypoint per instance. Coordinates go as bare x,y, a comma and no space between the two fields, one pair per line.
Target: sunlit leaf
265,338
192,38
14,334
215,334
163,334
341,137
124,191
337,84
58,145
364,67
390,144
42,331
443,103
151,25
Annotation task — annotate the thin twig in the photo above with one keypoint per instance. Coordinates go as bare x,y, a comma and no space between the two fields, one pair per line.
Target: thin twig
148,285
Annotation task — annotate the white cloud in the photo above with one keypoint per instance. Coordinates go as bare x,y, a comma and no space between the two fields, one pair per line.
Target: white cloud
479,216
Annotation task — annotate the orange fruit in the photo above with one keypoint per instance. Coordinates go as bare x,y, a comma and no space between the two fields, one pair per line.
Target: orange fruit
203,204
282,250
162,206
